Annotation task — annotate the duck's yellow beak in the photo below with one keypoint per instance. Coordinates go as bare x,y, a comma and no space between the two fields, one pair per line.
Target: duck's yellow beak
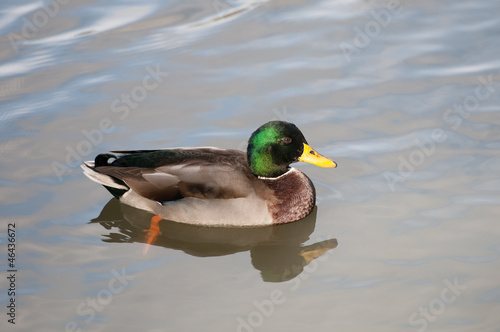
311,156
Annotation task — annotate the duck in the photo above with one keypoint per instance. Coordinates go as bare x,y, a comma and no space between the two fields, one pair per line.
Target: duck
210,186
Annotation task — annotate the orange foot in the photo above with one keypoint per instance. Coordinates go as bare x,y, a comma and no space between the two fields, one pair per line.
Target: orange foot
152,233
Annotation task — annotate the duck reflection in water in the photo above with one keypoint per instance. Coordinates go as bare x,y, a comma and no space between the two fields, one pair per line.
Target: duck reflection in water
276,251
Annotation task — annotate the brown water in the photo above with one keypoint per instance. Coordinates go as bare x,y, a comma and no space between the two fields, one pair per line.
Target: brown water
404,96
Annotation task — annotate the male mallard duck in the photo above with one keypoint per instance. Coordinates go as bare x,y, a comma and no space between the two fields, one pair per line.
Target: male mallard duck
217,187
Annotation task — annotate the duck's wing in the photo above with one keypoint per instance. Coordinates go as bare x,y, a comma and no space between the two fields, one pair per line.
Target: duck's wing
172,174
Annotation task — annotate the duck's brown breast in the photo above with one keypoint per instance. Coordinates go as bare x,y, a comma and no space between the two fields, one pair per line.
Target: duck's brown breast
294,194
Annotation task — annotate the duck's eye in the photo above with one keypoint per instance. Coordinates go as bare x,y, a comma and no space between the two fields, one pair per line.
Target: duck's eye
287,140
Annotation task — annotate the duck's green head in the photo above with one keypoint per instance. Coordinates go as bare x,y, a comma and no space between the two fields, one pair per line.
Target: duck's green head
277,144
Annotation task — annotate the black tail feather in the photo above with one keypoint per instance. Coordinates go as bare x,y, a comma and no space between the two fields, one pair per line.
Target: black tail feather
116,192
103,159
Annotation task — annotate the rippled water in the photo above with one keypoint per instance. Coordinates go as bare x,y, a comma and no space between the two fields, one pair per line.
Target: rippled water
403,95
